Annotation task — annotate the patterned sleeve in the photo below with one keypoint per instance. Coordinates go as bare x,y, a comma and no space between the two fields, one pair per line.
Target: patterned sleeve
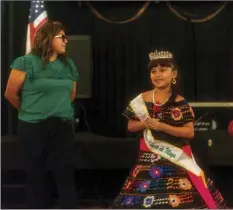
178,114
188,114
129,113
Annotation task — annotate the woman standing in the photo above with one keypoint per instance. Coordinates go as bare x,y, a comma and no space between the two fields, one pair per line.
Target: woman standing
42,86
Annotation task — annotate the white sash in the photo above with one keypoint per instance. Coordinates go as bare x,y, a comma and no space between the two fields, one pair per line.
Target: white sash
162,148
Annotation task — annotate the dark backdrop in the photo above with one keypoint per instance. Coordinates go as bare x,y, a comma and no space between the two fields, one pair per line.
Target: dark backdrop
120,53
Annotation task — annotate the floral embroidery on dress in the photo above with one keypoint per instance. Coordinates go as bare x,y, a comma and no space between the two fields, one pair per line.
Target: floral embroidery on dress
128,184
185,184
155,157
156,172
174,200
144,186
176,114
148,201
128,200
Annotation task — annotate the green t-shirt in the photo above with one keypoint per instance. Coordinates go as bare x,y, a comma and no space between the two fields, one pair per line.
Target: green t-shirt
46,90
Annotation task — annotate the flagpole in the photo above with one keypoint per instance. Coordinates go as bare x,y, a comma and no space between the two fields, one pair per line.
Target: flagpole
10,58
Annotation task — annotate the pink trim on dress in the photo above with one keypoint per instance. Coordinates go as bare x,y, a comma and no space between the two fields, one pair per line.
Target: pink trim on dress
197,181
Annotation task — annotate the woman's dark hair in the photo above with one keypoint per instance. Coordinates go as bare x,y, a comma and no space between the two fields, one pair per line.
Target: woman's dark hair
42,45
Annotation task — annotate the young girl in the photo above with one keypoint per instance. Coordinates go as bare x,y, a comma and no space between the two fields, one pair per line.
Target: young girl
165,174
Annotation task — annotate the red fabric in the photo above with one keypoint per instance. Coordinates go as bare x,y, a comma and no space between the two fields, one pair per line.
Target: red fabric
197,181
230,128
143,145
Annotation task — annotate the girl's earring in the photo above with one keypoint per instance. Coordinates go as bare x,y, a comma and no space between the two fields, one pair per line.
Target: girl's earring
174,81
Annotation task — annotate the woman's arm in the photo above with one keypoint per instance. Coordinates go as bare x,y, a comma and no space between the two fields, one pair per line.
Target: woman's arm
186,131
14,84
73,92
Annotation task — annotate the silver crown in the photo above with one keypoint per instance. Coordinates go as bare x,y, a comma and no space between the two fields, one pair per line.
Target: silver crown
160,55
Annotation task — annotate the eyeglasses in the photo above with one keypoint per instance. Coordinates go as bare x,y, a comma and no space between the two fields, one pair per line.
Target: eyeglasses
63,37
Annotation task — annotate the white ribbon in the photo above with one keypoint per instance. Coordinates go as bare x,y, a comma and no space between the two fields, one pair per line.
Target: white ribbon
162,148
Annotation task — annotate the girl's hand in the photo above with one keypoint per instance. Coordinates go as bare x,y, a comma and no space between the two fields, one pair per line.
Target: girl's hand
153,123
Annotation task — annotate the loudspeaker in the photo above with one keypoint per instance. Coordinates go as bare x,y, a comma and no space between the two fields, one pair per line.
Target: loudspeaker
79,49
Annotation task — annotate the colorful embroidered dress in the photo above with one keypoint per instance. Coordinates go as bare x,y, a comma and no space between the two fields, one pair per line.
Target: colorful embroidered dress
156,182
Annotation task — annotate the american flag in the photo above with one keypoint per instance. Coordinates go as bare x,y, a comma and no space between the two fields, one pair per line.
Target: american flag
37,17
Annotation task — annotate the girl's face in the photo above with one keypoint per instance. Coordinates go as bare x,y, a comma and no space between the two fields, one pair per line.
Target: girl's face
161,75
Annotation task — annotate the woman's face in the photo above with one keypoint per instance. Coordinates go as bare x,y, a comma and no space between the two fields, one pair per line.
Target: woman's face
59,43
161,75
